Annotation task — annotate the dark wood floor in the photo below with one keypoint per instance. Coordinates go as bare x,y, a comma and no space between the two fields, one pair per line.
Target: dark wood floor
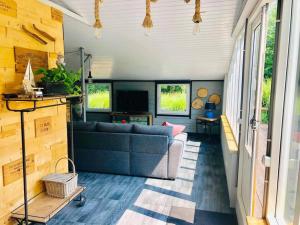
198,196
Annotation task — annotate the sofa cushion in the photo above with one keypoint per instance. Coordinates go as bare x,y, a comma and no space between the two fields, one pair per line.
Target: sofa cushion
154,130
147,143
102,141
92,160
84,126
114,128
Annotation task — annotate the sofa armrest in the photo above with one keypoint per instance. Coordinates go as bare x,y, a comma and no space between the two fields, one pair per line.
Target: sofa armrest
181,137
175,155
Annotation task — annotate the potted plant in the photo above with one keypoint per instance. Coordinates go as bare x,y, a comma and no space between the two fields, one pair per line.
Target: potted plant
59,81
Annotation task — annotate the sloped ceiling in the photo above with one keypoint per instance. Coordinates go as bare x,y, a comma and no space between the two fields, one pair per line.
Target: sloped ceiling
170,52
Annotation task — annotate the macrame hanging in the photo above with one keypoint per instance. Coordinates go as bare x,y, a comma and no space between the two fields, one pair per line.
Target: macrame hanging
97,25
148,24
197,19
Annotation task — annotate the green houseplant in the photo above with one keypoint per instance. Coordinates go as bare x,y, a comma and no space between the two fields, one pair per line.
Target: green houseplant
59,81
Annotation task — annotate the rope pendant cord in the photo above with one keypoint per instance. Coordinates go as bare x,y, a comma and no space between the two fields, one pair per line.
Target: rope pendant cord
197,16
97,15
98,24
148,21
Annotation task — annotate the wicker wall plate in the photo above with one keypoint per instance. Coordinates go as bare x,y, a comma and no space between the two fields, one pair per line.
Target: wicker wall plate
197,103
215,98
202,92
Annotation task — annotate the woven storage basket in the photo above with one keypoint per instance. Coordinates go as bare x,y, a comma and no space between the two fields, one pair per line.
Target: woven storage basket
61,185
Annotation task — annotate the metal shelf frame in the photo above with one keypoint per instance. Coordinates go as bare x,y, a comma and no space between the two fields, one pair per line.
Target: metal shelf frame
62,100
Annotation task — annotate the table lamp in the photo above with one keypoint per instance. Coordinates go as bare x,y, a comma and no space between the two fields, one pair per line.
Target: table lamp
210,107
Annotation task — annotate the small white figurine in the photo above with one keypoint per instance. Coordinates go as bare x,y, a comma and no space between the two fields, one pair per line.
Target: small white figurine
29,84
28,81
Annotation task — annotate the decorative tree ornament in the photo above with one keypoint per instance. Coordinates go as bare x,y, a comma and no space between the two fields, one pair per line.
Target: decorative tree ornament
197,19
97,25
148,24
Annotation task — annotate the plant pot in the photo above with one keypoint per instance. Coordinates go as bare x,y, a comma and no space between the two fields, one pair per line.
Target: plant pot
55,88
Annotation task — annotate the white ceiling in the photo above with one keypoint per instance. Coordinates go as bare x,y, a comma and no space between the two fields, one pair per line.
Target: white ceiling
170,52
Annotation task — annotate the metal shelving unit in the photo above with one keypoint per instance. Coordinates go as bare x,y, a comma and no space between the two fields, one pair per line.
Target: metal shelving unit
61,100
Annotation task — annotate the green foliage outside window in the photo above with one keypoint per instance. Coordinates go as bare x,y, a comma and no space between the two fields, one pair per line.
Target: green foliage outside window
173,98
98,96
268,69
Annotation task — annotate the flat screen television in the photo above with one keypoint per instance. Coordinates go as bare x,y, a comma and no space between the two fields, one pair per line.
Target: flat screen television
132,101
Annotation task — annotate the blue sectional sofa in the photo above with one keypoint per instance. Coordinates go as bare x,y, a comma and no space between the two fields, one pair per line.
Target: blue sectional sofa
148,151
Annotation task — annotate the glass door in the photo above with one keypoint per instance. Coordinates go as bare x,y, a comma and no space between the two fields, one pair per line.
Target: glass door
257,32
288,199
252,187
253,88
264,127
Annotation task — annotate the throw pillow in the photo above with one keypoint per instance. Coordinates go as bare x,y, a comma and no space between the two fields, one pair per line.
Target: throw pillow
177,128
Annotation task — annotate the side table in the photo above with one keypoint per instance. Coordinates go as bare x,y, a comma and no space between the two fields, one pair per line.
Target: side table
208,123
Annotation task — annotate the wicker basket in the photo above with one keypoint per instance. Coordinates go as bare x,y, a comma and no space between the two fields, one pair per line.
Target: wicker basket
61,185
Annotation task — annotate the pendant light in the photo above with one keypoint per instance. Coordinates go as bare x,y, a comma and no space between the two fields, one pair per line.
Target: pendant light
147,23
97,25
197,19
90,77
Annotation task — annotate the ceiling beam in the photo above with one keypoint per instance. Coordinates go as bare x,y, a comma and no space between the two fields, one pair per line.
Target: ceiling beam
66,11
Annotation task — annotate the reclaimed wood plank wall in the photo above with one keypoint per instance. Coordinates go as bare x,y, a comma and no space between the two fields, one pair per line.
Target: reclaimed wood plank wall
44,146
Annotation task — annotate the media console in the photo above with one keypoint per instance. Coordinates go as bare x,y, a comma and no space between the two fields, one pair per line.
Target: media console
132,118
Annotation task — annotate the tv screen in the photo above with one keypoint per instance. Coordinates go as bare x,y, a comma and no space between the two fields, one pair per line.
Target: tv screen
132,101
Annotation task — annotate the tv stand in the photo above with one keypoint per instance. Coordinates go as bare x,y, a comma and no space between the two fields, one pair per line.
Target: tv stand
142,118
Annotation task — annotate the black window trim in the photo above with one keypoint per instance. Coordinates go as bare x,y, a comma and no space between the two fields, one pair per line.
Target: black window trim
98,81
158,82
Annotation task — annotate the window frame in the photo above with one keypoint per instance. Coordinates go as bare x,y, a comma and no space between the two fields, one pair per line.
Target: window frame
234,85
188,98
111,91
286,44
291,95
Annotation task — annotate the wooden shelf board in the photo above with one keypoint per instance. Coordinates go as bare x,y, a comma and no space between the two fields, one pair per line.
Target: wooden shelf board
44,98
43,207
255,221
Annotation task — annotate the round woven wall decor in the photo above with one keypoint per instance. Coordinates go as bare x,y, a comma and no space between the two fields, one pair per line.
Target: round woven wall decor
215,98
202,92
197,103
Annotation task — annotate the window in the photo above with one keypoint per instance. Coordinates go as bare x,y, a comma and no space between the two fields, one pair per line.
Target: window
173,99
99,97
234,87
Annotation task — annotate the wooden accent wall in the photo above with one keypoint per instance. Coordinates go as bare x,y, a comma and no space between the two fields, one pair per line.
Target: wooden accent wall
45,129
